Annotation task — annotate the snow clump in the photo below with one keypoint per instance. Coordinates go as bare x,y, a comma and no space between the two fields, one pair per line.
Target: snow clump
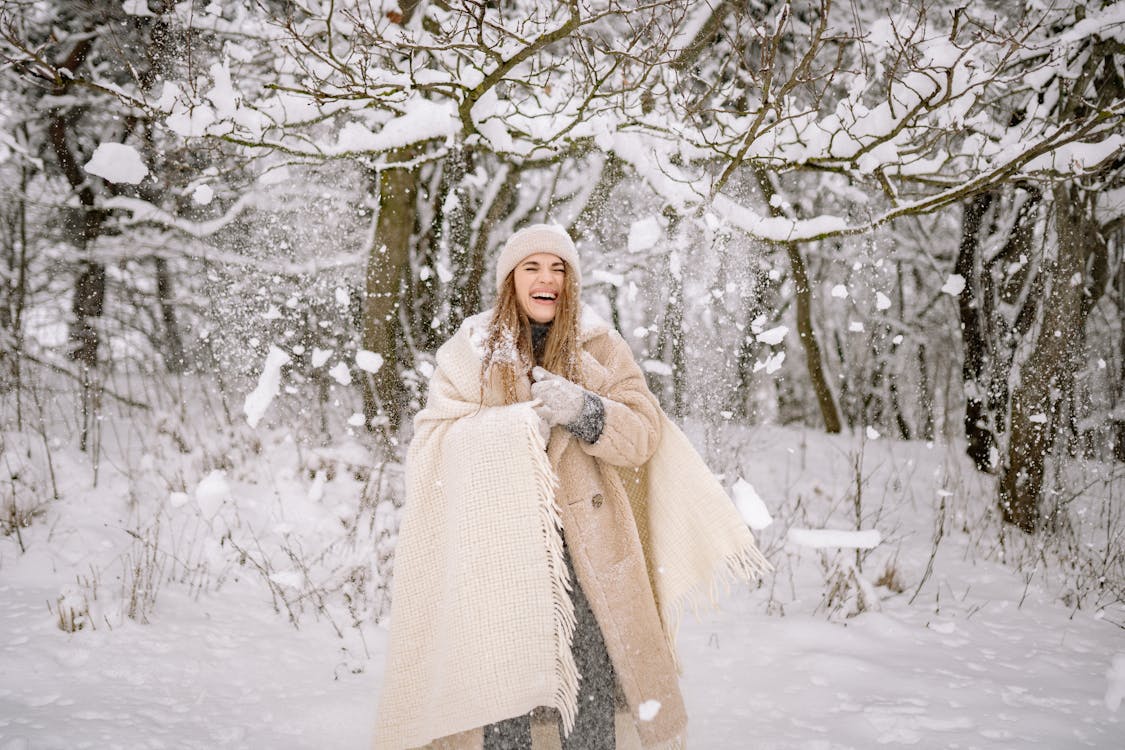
644,234
369,361
212,492
648,710
269,383
750,505
954,285
773,336
116,162
341,374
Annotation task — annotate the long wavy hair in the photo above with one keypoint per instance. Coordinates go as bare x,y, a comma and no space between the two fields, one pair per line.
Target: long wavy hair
508,350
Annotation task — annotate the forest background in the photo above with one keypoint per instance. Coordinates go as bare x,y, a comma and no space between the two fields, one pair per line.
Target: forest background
230,230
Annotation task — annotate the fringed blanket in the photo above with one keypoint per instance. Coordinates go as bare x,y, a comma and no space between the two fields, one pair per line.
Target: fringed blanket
481,617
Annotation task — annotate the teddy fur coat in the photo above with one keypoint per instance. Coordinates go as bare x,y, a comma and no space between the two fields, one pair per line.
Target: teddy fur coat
646,524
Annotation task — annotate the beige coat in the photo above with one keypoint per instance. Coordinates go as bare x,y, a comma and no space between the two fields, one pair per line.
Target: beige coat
641,515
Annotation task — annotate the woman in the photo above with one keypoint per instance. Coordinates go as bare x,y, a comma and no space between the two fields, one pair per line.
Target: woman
556,522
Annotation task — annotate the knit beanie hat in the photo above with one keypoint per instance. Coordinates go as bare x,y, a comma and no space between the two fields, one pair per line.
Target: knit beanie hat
537,238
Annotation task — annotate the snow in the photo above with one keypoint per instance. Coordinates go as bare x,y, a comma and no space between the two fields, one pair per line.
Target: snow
954,285
137,8
1115,679
320,356
202,195
423,120
770,364
269,383
983,658
750,505
882,301
212,492
368,361
644,234
648,710
839,291
117,162
773,336
656,367
341,374
824,538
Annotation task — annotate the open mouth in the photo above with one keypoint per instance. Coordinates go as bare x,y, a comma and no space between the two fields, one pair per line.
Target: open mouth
544,296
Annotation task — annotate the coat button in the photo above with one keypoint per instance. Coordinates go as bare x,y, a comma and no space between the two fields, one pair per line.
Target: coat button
597,500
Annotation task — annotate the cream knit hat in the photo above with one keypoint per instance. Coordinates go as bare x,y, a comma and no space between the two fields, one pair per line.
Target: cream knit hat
537,238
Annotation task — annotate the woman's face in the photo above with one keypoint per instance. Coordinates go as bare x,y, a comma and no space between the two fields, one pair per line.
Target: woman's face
540,281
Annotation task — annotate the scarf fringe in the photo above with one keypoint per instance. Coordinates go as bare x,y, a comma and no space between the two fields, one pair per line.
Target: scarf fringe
747,564
566,670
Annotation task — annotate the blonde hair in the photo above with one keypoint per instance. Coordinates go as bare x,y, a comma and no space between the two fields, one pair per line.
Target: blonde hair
508,349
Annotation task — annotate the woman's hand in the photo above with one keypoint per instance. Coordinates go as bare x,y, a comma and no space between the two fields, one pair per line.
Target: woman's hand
560,401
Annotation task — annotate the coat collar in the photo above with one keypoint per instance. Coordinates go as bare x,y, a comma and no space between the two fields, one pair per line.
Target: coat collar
590,326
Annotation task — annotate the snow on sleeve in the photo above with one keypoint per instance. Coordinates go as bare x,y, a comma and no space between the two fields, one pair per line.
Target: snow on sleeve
828,538
954,285
118,163
1115,690
750,505
269,383
648,710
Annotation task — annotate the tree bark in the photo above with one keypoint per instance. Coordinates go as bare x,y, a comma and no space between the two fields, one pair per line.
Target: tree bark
386,265
814,361
1052,361
978,432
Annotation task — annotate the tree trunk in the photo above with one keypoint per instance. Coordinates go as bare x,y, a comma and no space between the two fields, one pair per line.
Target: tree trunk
978,432
386,265
1043,376
814,362
174,352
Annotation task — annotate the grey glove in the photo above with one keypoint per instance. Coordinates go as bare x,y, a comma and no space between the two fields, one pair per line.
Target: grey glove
560,401
565,403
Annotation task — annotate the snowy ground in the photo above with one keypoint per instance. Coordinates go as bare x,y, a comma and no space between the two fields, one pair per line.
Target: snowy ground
987,656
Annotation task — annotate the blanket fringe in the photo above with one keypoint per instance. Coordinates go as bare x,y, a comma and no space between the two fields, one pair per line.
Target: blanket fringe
566,670
747,564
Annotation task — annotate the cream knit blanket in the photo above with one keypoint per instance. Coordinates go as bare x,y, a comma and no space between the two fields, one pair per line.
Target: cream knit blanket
481,620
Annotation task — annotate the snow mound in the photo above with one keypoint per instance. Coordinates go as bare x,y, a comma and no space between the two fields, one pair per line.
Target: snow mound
1115,691
827,538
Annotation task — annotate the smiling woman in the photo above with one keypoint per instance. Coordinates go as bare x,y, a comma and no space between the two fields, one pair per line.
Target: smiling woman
539,281
529,610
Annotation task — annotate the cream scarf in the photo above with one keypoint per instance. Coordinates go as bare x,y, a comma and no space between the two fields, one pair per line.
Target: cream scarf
481,618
